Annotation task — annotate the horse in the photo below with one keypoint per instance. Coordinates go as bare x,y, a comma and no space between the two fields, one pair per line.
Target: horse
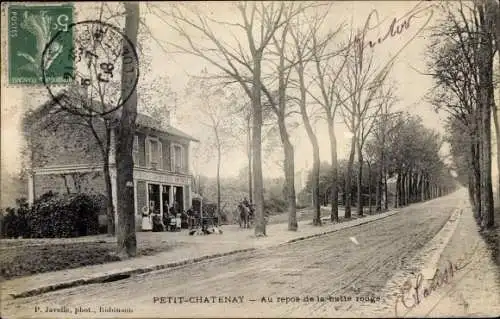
245,213
251,214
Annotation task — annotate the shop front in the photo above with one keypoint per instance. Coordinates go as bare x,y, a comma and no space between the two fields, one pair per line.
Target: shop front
159,193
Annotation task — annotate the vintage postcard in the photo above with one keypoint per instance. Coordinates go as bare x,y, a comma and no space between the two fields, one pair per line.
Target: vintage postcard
173,159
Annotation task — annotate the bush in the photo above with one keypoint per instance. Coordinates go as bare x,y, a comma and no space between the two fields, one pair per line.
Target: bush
14,220
54,216
275,205
65,216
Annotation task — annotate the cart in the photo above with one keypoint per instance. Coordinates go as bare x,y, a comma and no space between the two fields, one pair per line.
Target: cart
203,215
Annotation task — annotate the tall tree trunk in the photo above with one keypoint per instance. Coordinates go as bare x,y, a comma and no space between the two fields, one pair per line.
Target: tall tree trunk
407,188
378,189
359,185
386,193
475,170
486,102
126,239
348,178
398,190
403,190
470,188
249,157
411,183
315,169
219,156
334,190
413,186
476,166
289,158
496,120
369,188
289,168
110,208
258,187
290,186
105,148
379,177
422,186
428,189
314,142
497,142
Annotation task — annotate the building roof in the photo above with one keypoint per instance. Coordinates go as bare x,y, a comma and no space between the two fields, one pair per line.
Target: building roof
142,120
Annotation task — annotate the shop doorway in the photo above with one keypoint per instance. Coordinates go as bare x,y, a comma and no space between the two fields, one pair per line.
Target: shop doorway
165,194
154,198
179,197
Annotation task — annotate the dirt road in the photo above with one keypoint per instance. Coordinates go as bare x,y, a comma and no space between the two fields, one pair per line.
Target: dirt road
331,275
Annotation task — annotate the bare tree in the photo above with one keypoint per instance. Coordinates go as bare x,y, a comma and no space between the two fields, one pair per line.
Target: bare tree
486,52
214,109
242,132
386,124
247,134
325,79
304,28
158,100
360,83
462,65
368,118
280,104
494,7
126,238
257,24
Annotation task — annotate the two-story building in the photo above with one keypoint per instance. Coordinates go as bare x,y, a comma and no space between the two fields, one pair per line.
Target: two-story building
66,157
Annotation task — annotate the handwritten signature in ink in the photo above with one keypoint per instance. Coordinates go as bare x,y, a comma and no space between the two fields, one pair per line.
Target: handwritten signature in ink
397,26
413,293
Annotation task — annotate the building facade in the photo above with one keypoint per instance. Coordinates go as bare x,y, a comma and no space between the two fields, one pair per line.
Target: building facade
66,158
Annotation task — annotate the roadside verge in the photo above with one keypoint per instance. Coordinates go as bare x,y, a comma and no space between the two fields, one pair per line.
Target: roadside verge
404,291
466,280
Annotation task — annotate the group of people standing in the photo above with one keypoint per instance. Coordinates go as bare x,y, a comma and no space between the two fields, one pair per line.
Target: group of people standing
171,221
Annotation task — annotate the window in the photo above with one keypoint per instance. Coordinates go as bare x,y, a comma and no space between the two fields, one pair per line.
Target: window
177,158
135,150
154,153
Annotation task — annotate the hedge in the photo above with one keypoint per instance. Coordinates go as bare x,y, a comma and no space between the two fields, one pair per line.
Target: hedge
275,205
53,216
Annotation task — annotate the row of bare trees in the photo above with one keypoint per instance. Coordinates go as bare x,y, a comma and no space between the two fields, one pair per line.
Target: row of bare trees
288,61
461,63
409,157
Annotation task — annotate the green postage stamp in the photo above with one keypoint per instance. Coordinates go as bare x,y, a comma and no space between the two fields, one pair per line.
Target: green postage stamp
30,29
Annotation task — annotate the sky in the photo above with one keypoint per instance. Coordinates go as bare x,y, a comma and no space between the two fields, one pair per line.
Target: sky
410,84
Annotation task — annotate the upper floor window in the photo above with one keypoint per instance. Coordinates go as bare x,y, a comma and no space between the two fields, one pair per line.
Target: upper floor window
177,157
135,150
154,153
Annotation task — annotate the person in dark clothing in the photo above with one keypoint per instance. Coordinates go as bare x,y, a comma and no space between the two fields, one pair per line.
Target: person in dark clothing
190,218
158,226
246,203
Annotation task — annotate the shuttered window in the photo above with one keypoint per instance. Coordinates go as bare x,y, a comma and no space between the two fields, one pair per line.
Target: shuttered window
154,153
177,158
135,150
